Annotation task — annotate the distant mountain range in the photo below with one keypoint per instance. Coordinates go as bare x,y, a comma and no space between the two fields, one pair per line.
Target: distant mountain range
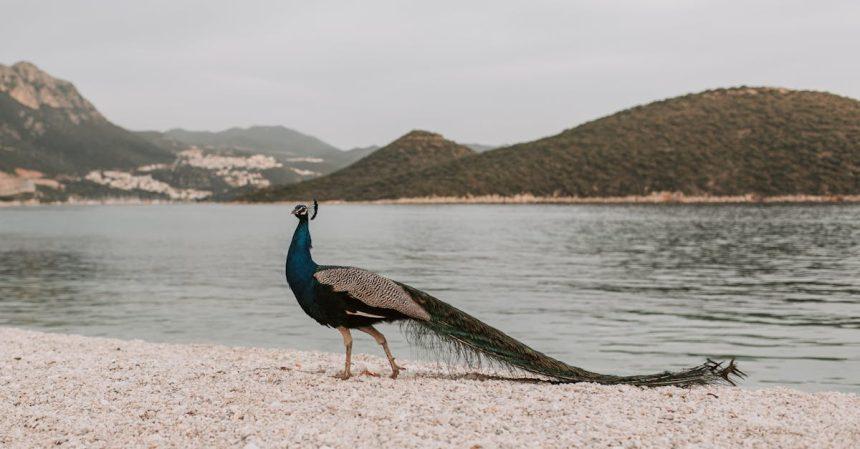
723,142
300,155
281,142
56,146
273,140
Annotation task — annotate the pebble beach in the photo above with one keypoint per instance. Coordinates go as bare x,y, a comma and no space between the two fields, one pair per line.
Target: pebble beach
72,391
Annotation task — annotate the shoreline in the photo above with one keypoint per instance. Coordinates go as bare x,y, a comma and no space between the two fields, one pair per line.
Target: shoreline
661,198
93,202
76,391
656,198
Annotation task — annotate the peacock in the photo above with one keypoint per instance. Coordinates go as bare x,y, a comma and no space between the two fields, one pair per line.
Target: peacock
348,298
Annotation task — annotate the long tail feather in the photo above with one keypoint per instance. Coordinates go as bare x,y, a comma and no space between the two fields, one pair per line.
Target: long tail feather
469,338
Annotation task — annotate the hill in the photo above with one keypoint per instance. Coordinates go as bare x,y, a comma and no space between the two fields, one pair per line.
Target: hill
736,141
411,153
274,140
278,141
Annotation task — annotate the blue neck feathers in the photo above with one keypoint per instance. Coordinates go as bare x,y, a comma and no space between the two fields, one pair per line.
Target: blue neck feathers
300,266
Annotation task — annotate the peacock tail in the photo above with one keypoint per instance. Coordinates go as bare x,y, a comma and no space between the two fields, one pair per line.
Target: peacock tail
452,332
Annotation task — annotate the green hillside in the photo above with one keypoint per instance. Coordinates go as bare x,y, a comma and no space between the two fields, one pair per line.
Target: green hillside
414,152
734,141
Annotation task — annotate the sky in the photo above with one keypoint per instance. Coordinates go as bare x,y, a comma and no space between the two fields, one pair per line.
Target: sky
361,73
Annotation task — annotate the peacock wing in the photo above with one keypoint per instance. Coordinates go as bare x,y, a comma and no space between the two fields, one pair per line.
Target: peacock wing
371,289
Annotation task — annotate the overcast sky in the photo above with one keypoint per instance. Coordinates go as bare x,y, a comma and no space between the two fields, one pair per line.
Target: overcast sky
359,73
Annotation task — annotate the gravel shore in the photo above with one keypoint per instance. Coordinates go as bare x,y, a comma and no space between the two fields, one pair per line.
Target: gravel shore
71,391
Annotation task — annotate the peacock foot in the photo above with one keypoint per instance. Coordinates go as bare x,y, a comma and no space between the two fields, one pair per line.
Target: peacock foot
395,369
367,372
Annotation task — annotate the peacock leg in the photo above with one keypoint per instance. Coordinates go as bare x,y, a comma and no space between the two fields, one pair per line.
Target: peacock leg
347,342
395,370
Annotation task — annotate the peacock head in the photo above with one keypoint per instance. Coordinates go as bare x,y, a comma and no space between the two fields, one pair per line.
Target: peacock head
301,211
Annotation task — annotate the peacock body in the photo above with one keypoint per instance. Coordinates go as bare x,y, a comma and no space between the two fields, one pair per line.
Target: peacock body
349,298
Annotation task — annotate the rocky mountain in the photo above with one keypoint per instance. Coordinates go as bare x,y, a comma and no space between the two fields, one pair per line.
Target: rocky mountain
49,131
372,175
737,141
56,146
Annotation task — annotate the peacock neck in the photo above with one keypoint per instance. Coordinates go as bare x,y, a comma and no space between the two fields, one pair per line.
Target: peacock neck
300,266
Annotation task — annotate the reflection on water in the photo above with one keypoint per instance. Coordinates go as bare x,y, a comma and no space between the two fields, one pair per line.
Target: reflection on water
619,289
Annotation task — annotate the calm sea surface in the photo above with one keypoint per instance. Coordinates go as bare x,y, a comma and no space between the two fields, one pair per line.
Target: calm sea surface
617,289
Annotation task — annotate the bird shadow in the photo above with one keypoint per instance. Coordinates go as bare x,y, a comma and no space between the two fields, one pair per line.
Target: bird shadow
472,375
481,377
